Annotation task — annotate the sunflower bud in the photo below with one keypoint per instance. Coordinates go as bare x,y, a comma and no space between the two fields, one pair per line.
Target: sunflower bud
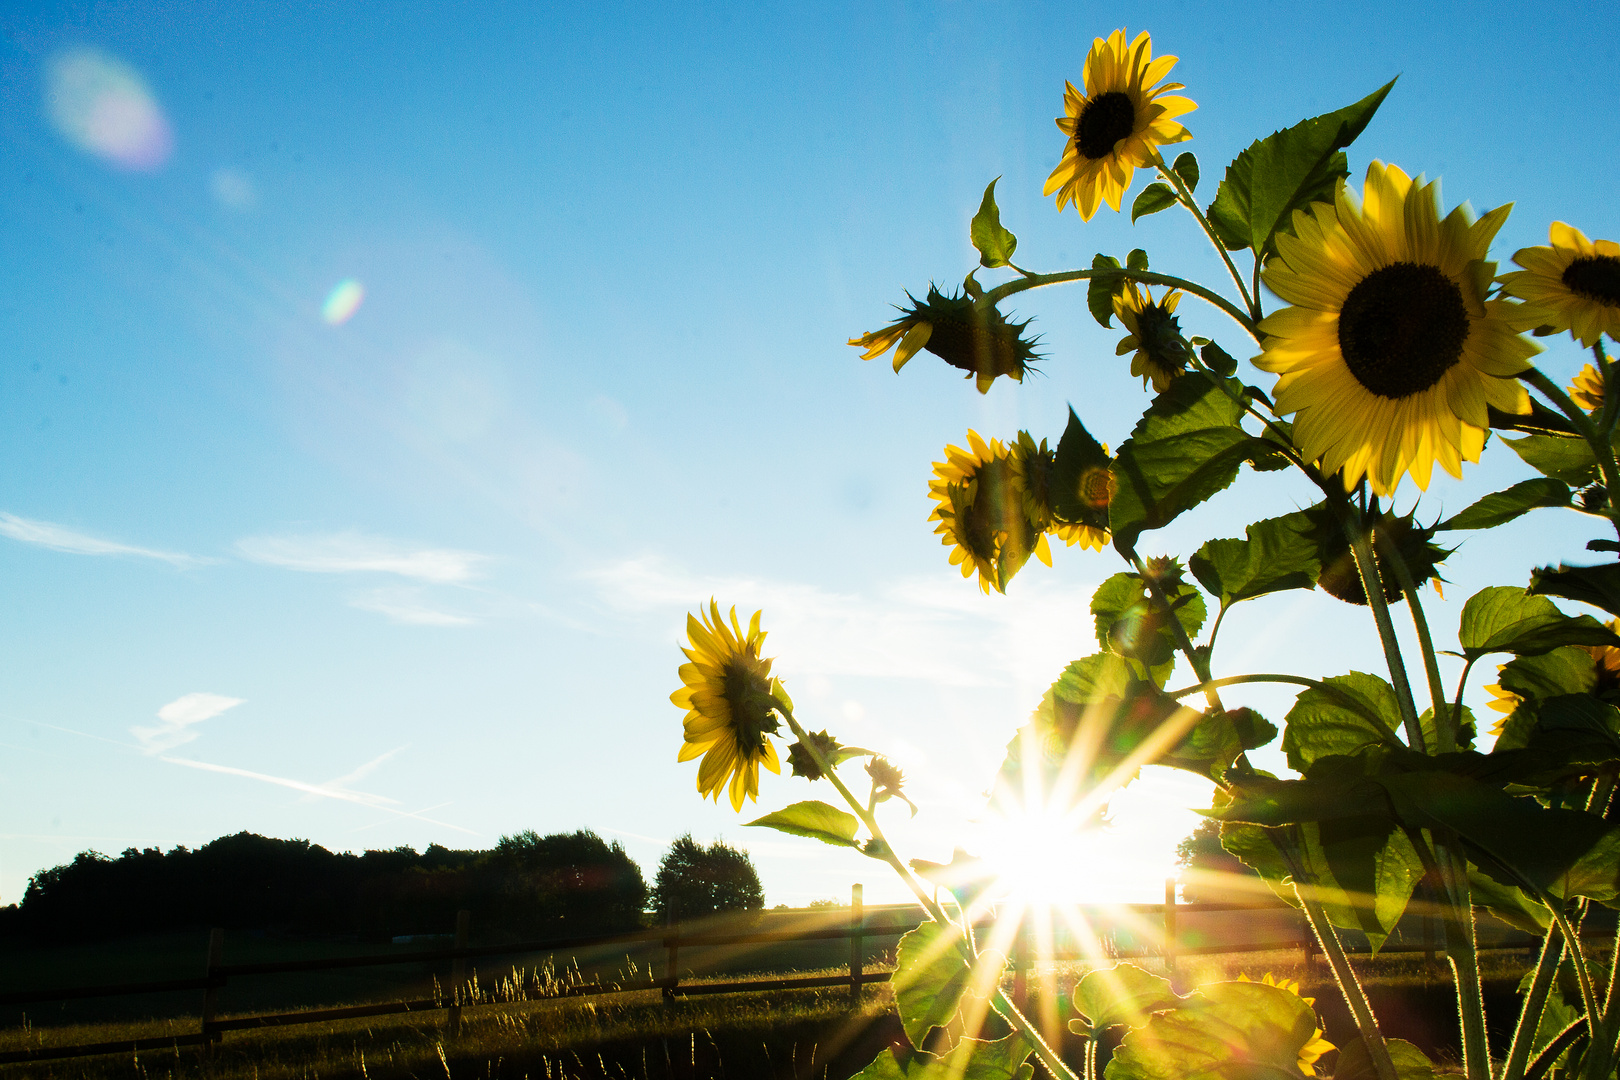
1391,536
972,338
803,763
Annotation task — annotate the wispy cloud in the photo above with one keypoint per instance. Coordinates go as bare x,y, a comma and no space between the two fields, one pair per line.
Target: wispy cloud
405,605
352,553
931,628
177,719
60,538
331,789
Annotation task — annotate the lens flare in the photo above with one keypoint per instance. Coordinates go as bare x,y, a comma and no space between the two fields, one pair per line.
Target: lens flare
102,105
343,301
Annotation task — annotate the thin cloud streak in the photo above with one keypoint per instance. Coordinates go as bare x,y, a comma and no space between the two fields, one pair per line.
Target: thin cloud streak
404,605
46,534
359,798
178,717
353,553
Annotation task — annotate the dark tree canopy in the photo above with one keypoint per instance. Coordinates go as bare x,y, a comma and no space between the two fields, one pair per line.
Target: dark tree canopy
528,885
1200,856
694,880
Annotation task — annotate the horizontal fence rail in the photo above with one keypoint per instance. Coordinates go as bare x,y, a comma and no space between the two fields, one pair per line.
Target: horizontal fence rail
670,938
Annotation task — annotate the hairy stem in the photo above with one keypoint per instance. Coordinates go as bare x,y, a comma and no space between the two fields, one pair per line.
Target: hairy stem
1002,1003
1445,731
1524,1033
1199,665
1594,438
1036,281
1374,589
1186,199
1459,919
1349,985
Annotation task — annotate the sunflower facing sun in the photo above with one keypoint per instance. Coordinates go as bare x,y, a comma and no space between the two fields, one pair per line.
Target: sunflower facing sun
1392,351
731,703
1573,285
1115,124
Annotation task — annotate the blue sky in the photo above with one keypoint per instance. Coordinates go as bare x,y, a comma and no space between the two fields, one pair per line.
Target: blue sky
430,563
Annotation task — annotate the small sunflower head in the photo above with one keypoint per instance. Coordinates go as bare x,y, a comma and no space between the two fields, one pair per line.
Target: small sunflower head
731,702
984,513
1391,535
1573,284
1587,389
887,782
972,338
803,764
1161,353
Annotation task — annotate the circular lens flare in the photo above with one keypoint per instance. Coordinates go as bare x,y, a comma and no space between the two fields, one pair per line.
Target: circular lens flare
102,105
342,302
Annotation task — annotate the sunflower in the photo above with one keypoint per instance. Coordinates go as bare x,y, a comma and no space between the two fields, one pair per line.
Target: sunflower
1036,466
1573,285
731,704
1392,351
982,513
1587,389
1155,334
1604,684
1114,126
979,341
1317,1046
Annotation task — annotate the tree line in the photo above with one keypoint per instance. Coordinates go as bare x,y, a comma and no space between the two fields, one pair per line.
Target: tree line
562,884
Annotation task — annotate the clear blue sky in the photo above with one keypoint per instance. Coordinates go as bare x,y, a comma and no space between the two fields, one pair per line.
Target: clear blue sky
440,552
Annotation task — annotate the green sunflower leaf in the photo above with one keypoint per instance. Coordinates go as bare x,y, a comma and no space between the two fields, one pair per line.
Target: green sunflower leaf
816,820
1123,995
969,1059
1137,259
1562,457
995,244
1101,289
1344,716
1287,171
1507,902
934,968
1186,167
1596,585
1154,197
1410,1062
1229,1030
1187,446
1277,554
1077,454
1500,507
1218,359
1505,619
1570,732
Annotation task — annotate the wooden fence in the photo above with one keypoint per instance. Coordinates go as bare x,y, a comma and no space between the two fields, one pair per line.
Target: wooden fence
217,973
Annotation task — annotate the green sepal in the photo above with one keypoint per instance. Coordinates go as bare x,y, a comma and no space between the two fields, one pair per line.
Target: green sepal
1187,446
1596,585
1505,619
1285,172
1101,290
1276,554
934,968
1123,995
995,244
1501,507
1186,167
1154,197
817,820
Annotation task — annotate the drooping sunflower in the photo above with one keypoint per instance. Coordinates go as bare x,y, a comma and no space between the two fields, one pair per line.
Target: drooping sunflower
979,341
983,517
1392,350
1036,466
1115,124
1155,334
1573,285
731,702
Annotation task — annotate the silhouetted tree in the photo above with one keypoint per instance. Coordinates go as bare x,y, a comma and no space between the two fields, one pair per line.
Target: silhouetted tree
694,880
1202,854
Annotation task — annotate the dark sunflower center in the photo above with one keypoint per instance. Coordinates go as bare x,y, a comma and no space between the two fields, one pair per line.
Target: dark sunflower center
748,692
1106,119
1159,335
1402,327
1596,277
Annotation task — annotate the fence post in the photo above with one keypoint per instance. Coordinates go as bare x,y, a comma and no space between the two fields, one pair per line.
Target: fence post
1170,926
857,919
458,971
216,957
672,949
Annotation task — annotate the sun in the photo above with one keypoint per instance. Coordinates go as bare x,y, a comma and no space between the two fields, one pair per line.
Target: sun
1044,857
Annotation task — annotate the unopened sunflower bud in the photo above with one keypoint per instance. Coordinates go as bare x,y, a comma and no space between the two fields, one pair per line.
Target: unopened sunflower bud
803,763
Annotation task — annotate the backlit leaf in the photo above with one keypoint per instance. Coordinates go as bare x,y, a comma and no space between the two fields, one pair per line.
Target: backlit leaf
995,244
1596,585
816,820
1500,507
1154,197
1346,715
1100,291
1277,554
1505,619
1123,994
934,969
1224,1031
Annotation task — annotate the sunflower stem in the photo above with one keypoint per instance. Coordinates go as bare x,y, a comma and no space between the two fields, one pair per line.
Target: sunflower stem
1459,922
1350,986
1367,567
1184,197
1339,697
1535,1002
1199,665
1601,449
1036,281
1003,1004
1445,731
